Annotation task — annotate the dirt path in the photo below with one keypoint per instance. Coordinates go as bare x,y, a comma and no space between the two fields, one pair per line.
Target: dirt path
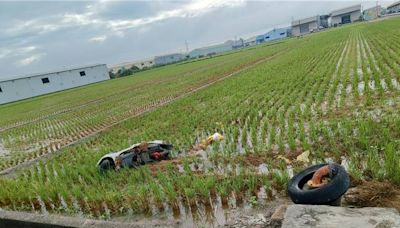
9,172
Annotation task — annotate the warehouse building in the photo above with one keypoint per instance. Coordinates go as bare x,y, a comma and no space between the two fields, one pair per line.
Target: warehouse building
167,59
394,8
275,34
250,41
14,89
346,15
238,43
212,50
372,13
306,25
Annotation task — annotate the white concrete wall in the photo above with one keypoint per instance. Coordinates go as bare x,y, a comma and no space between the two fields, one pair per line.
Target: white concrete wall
18,89
354,16
312,26
296,30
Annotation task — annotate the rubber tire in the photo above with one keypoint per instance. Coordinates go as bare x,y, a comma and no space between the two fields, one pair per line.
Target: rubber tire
319,196
106,165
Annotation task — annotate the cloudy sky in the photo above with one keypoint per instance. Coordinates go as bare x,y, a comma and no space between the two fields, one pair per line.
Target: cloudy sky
41,36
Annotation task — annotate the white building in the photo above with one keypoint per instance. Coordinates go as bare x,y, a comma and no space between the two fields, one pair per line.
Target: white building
250,41
14,89
306,25
167,59
346,15
394,8
372,13
127,65
212,50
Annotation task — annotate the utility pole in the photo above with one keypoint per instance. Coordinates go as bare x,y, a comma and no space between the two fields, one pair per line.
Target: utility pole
187,46
377,14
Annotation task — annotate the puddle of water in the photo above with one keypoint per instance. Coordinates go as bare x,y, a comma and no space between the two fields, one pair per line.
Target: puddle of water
395,84
349,88
263,169
214,212
3,150
324,107
371,85
43,209
289,169
361,86
383,84
345,163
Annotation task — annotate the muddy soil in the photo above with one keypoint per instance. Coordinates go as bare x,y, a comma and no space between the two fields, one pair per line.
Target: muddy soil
373,194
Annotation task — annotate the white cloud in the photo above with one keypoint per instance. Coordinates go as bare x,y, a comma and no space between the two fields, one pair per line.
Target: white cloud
30,60
24,50
98,39
4,53
193,9
17,51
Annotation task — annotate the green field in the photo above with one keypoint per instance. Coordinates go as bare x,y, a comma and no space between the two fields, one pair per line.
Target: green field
335,93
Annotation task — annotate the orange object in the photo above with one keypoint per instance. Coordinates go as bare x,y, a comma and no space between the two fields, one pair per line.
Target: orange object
316,180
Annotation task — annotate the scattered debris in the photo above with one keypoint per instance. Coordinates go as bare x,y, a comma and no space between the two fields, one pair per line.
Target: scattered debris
303,157
135,155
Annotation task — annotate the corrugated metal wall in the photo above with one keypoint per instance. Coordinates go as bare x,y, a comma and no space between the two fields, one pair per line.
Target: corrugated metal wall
18,89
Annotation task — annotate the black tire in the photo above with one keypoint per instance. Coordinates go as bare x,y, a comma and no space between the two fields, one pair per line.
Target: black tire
106,165
324,195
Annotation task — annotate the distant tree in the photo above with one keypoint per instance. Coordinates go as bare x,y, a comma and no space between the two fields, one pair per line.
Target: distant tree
134,68
112,75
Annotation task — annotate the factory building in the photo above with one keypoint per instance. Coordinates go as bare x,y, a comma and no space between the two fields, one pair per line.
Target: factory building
372,13
14,89
212,50
250,41
145,63
394,8
167,59
275,34
306,25
238,43
346,15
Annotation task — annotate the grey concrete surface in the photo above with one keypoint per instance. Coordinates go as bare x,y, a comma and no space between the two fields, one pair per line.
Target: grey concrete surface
342,217
11,219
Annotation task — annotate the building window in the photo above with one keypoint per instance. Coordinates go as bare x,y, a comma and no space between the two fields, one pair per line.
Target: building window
282,33
267,37
1,90
82,73
45,80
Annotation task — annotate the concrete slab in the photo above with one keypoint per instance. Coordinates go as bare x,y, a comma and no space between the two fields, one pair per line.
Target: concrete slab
11,219
332,217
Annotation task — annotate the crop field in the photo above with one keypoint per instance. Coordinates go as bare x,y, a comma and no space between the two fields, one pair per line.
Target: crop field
335,94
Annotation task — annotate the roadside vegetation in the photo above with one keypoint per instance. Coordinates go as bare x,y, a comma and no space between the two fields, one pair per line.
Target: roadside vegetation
334,94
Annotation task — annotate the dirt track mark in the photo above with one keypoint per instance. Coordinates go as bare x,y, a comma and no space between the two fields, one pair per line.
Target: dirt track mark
103,98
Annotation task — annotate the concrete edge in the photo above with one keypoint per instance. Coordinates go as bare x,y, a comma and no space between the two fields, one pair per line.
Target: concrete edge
33,220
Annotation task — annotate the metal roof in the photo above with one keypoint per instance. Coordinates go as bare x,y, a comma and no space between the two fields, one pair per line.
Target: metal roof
346,10
394,4
48,72
305,20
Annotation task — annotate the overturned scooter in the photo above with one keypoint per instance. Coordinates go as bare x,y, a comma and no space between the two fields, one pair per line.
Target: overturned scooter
322,184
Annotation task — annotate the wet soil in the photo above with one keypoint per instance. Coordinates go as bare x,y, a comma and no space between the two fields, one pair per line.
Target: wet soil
215,215
373,194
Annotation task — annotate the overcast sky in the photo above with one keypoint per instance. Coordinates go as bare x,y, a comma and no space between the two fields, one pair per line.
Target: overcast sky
42,36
